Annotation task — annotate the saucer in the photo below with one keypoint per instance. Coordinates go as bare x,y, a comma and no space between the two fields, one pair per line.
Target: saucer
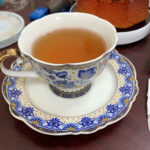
109,100
128,37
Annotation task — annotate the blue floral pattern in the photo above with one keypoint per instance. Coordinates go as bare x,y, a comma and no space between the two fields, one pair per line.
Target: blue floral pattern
113,55
103,119
124,100
63,78
15,104
62,74
86,123
26,111
86,74
112,108
14,93
54,123
123,70
71,127
37,121
129,79
126,90
11,82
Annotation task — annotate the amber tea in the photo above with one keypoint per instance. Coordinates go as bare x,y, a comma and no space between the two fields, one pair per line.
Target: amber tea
68,46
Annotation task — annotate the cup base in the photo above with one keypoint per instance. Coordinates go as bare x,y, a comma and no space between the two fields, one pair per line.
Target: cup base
75,94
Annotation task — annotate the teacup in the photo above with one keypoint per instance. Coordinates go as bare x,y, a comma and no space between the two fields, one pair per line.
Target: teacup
66,80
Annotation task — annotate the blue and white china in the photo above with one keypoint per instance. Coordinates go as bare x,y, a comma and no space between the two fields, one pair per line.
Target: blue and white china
109,100
66,80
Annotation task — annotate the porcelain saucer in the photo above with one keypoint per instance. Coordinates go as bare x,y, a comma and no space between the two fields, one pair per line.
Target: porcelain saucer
109,100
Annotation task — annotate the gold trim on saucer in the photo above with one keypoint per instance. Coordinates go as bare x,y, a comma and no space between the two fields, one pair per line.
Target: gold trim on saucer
70,129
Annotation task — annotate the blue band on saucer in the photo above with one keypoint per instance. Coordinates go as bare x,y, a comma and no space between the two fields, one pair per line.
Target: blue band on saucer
56,125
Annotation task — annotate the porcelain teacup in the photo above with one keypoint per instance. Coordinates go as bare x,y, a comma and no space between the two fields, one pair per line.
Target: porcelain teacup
66,80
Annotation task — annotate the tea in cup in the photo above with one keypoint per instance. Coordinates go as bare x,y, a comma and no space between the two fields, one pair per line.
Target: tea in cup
66,50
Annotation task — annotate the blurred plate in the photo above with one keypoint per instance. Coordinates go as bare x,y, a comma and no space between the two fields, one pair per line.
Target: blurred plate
11,25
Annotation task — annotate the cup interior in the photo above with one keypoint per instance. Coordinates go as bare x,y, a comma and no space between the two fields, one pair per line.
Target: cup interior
56,21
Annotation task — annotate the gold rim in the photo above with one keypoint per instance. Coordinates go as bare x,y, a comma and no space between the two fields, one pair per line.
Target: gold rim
117,117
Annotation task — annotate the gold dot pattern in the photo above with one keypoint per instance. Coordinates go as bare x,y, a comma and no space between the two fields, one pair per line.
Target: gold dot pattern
26,103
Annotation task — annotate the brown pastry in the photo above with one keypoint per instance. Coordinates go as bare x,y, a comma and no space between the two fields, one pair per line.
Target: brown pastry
121,13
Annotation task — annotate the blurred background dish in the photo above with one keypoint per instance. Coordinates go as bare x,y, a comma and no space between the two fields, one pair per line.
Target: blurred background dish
121,13
131,34
11,25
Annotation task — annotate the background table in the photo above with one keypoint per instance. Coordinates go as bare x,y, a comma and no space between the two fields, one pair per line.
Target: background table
131,133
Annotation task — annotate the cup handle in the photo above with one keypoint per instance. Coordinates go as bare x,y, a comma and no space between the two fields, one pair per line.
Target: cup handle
14,52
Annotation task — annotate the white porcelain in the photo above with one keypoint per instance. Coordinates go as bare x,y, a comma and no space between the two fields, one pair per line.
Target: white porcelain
108,101
72,79
128,37
134,35
11,25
